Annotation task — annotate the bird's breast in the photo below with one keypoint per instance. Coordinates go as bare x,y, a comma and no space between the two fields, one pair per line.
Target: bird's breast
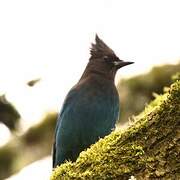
98,102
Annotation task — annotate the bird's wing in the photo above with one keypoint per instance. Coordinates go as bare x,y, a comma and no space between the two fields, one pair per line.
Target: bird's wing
68,100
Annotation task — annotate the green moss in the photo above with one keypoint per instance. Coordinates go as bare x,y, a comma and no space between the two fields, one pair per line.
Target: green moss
176,76
124,153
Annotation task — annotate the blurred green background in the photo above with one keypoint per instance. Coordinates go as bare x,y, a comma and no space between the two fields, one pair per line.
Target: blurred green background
36,142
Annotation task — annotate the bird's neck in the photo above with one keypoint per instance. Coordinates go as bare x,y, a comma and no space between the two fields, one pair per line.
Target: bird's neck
98,70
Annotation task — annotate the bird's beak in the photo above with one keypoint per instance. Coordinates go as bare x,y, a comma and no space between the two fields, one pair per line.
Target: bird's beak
121,63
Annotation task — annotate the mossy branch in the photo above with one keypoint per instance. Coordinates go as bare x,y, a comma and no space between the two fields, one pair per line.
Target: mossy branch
149,149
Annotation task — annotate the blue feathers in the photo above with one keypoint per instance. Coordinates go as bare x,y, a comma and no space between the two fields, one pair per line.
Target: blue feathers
89,113
91,107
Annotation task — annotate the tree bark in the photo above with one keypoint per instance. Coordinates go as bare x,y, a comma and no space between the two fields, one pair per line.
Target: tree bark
148,149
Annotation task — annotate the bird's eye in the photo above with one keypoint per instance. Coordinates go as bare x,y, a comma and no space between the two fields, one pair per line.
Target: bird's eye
106,58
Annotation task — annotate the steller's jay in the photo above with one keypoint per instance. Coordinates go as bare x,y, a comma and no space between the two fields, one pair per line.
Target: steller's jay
91,107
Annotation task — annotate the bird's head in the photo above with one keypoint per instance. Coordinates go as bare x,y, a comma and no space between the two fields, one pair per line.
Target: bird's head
102,54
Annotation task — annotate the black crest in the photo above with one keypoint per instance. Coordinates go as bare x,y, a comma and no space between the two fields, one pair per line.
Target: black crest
100,49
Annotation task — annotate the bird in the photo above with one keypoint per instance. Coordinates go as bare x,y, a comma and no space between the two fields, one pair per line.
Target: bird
91,107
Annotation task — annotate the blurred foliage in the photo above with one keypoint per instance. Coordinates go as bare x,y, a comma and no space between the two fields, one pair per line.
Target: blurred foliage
33,145
137,91
8,114
7,157
33,82
41,131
